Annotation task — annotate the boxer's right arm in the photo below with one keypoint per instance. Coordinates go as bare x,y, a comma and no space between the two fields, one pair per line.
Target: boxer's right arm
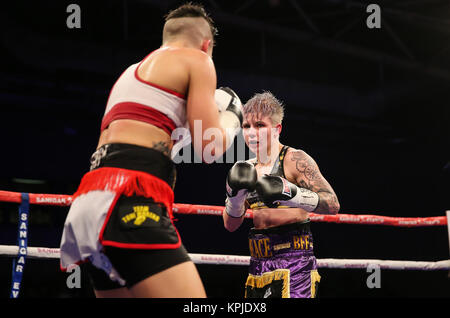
241,179
230,223
201,106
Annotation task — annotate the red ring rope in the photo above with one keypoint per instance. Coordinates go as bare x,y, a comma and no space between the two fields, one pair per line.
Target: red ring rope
66,200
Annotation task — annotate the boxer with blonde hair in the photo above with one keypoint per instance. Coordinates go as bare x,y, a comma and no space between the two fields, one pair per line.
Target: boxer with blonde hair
281,186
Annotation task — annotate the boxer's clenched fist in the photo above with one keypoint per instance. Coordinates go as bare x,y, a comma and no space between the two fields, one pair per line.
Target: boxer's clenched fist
241,179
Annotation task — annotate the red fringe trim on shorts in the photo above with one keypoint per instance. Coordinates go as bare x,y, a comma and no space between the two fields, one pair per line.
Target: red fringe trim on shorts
129,183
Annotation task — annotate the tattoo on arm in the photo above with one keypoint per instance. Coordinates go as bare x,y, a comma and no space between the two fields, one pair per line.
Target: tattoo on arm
311,179
162,146
327,203
307,168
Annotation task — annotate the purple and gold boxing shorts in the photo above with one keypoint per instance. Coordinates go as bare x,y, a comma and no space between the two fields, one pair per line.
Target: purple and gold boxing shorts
282,263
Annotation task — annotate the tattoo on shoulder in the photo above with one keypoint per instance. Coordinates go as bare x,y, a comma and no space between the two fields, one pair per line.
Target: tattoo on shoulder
306,166
312,179
161,146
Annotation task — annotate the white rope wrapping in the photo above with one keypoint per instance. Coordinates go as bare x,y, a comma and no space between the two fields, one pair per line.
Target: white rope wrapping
218,259
383,264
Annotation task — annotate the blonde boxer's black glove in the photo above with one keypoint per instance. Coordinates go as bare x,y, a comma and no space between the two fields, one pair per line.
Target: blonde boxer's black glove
275,191
241,179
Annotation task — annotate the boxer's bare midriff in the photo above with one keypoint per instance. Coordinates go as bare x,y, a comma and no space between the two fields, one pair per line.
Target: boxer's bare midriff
265,218
136,133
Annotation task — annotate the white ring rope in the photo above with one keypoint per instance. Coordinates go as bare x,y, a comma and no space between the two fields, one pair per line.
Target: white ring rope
217,259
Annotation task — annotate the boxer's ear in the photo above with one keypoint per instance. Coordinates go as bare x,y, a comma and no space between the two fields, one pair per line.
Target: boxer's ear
205,45
278,128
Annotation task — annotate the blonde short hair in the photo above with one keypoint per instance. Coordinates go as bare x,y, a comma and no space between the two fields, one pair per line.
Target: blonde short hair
265,104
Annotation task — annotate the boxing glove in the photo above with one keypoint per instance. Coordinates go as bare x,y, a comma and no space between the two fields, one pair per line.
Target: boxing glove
275,191
230,112
240,180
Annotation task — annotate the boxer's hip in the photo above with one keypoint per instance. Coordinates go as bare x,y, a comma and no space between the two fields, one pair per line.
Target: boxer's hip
124,201
136,158
282,262
294,239
131,171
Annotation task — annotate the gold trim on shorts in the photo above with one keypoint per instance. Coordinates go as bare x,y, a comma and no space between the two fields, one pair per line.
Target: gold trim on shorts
260,281
315,280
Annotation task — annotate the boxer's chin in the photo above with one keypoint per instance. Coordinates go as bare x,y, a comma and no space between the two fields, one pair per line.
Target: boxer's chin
254,147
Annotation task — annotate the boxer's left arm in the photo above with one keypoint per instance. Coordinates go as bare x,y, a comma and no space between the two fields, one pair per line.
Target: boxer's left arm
307,175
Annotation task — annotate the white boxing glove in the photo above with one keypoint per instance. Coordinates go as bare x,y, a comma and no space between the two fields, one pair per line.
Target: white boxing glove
230,115
230,111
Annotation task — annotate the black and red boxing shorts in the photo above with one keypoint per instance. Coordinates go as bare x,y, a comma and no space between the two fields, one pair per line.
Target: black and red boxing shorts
120,221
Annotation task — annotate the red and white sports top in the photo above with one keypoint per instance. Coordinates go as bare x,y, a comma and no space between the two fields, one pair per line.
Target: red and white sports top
133,98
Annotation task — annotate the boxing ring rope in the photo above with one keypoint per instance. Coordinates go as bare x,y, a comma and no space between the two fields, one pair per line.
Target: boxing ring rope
66,200
217,259
26,199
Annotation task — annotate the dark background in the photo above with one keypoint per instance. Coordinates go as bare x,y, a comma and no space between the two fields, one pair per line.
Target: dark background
371,106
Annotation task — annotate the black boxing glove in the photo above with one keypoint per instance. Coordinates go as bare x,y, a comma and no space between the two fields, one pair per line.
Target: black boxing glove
276,191
241,179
